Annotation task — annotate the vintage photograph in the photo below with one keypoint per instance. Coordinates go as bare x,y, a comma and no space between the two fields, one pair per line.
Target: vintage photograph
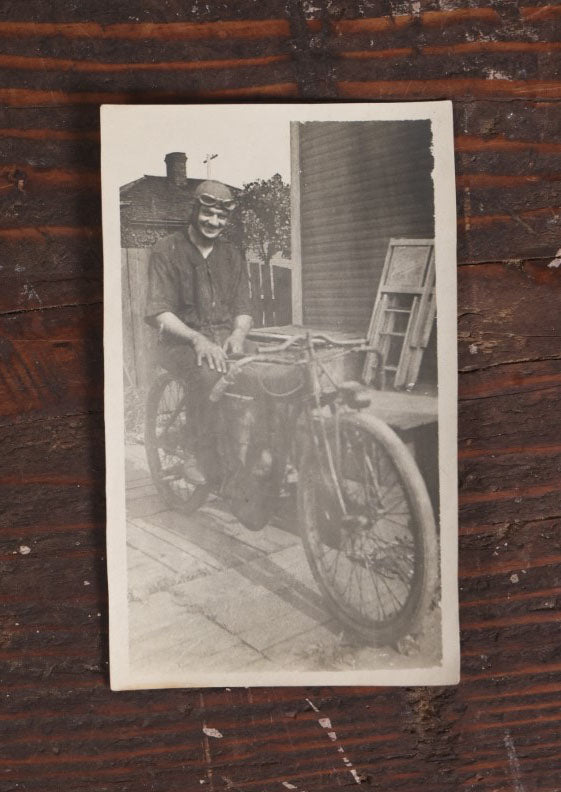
280,390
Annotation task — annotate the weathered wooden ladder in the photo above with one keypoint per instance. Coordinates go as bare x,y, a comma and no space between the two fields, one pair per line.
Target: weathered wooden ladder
403,314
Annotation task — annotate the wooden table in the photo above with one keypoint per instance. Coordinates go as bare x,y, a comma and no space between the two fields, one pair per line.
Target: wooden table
63,728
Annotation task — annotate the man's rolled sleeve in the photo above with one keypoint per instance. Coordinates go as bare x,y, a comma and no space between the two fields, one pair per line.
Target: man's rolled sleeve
242,300
162,293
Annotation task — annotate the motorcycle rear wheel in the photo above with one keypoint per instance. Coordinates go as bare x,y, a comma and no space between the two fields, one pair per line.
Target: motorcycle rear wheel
376,565
173,466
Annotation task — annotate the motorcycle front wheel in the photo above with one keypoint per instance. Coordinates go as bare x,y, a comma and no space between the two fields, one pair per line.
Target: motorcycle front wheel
375,559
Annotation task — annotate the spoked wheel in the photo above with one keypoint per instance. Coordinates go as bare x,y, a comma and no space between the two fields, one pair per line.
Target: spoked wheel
375,560
167,435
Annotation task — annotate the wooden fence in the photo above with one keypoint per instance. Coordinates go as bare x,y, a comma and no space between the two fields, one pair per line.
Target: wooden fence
271,305
270,287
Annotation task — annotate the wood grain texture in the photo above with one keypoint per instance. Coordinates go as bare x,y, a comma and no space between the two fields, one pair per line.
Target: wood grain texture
61,726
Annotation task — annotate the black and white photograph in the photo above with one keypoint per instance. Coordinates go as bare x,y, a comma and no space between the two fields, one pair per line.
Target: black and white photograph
281,394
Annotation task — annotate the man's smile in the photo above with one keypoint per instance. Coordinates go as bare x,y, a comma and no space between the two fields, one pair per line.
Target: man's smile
210,230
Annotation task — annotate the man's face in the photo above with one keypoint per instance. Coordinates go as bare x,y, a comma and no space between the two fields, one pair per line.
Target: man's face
211,222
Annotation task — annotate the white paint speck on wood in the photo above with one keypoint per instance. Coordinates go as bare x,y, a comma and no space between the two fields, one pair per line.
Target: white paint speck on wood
212,732
513,763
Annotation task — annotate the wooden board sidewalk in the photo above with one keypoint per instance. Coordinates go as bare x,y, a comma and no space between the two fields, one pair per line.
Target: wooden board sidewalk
205,592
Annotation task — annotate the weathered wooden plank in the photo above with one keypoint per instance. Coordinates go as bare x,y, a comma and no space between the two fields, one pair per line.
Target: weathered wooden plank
492,300
502,122
50,271
497,68
31,63
163,31
27,85
52,158
469,88
61,122
50,360
28,96
36,13
531,234
428,16
145,55
52,200
377,40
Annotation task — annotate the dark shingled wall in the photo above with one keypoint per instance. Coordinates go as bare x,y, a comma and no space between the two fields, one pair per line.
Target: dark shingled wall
361,184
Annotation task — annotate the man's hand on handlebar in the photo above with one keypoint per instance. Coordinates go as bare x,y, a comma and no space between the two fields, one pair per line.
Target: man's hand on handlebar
234,343
213,353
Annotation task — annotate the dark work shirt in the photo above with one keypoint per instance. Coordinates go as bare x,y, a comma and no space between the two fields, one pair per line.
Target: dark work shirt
206,294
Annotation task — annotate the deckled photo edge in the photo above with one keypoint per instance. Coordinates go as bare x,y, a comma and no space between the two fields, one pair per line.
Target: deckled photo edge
439,113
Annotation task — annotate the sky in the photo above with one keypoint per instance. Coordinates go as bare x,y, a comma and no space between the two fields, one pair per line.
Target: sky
249,146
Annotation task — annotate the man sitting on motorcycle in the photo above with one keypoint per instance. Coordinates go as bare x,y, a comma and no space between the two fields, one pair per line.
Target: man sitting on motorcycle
198,298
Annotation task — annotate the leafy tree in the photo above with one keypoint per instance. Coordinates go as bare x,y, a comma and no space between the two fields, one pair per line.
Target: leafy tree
265,215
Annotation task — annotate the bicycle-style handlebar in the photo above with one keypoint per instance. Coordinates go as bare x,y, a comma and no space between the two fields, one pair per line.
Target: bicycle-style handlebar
237,364
312,338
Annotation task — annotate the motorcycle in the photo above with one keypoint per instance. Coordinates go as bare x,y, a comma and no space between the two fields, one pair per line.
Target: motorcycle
362,507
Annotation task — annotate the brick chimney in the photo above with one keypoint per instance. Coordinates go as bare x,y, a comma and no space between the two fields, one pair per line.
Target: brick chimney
176,167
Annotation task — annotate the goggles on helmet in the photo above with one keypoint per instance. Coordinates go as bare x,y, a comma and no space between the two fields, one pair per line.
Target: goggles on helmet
206,199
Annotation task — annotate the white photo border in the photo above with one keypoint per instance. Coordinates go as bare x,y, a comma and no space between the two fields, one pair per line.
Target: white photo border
118,122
